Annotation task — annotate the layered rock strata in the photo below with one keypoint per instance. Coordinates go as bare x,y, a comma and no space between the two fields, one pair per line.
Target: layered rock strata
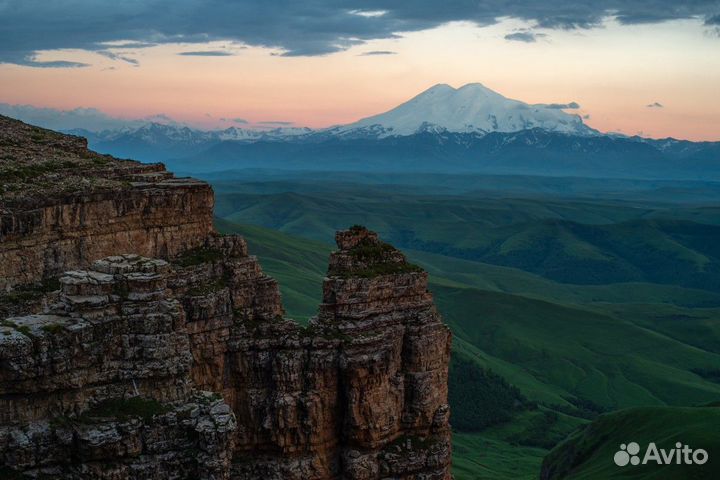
99,385
63,206
361,393
393,361
185,366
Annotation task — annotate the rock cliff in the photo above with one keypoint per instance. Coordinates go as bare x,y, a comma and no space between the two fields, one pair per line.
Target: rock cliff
99,386
137,343
63,206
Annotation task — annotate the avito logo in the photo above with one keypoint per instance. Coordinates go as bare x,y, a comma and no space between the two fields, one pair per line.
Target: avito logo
680,455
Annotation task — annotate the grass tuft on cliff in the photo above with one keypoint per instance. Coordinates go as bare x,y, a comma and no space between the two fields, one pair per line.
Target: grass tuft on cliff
21,297
379,269
375,258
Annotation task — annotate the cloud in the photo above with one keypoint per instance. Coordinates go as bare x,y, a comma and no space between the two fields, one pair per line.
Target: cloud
369,13
655,105
714,20
117,56
30,60
128,44
561,106
89,119
239,121
208,53
377,52
527,37
275,122
159,118
714,24
294,28
54,64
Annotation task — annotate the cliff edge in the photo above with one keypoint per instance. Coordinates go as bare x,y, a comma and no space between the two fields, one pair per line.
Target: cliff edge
137,343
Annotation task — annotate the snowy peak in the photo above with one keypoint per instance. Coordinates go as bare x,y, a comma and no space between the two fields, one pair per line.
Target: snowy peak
473,108
470,108
244,134
160,133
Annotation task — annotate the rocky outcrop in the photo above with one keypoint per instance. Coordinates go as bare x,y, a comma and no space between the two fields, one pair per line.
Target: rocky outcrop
184,366
361,393
99,386
393,361
63,206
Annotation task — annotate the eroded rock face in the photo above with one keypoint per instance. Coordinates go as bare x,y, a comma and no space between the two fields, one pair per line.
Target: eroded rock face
99,385
156,219
393,361
359,394
184,366
63,206
114,327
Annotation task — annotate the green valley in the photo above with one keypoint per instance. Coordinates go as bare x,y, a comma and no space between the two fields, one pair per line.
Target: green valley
557,354
562,309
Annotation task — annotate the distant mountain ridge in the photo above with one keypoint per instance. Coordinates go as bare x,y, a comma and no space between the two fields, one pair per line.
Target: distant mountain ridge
527,152
443,129
472,108
159,141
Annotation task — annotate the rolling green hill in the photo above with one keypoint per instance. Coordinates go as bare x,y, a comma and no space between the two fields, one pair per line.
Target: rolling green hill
588,454
564,304
607,190
569,354
570,241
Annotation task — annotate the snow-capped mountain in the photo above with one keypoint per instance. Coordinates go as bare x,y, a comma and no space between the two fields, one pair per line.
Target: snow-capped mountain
443,129
472,108
155,133
159,141
246,134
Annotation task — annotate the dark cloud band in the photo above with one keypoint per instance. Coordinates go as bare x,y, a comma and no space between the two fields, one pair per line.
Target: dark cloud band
309,27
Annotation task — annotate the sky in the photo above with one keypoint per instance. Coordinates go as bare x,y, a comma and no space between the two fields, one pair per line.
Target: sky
649,67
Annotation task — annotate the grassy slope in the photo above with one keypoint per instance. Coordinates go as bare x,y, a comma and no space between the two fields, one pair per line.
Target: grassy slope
486,456
569,240
573,351
502,451
484,276
550,350
588,454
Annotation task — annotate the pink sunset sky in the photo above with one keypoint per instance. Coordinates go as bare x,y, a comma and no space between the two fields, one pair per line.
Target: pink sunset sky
656,79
